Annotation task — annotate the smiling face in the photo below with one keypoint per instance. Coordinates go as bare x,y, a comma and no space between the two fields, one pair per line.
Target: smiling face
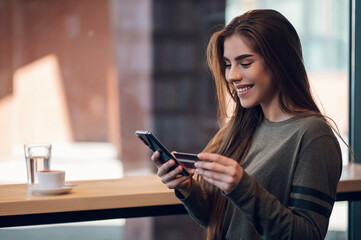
245,71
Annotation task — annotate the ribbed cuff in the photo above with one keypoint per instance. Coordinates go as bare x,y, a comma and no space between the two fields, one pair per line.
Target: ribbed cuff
242,190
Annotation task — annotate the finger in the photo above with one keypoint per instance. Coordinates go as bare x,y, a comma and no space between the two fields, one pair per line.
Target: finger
174,174
221,172
170,174
165,168
221,185
223,177
211,166
212,157
225,187
175,183
156,158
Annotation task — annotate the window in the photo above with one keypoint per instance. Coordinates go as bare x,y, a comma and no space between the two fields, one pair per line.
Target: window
58,87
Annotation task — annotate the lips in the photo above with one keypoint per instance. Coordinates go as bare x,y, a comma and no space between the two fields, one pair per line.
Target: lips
243,88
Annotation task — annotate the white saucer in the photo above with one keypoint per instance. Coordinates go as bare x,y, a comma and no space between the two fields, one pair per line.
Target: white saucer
51,191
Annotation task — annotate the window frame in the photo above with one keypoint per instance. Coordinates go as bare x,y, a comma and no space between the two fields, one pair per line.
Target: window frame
354,214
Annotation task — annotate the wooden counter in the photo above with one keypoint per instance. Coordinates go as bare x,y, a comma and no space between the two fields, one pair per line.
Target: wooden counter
120,198
89,200
88,195
349,187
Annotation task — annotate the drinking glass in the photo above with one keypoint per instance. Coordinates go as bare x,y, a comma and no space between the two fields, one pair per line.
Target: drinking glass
37,159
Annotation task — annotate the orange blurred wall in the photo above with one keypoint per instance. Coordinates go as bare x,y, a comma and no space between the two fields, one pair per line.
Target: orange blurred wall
76,71
58,80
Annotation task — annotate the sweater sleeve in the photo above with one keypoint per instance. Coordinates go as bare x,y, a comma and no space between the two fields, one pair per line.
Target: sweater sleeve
311,196
196,204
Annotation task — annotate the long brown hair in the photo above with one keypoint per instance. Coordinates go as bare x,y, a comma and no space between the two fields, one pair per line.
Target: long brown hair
275,40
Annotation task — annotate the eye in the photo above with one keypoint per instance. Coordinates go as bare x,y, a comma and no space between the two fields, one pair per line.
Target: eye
246,64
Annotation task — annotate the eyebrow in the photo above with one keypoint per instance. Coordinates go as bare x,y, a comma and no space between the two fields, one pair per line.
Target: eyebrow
240,57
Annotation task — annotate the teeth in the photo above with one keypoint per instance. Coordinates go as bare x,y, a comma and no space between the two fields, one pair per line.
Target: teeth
243,89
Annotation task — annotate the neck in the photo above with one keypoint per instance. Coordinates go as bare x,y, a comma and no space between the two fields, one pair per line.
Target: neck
274,113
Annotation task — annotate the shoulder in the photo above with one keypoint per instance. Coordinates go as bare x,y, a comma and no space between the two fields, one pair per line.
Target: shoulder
301,126
314,127
317,134
299,130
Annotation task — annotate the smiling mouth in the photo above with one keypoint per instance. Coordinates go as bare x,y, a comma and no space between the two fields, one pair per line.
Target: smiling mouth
244,89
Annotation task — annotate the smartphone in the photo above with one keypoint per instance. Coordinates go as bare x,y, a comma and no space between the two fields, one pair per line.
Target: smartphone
154,144
187,160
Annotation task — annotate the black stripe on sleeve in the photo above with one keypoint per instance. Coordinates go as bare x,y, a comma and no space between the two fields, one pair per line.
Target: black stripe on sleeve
312,192
311,206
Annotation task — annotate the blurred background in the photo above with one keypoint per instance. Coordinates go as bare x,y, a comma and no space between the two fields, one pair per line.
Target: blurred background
84,75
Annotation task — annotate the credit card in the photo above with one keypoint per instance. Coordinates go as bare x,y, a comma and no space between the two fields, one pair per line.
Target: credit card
187,160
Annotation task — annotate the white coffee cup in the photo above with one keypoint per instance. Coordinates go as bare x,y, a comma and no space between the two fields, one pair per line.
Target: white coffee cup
51,179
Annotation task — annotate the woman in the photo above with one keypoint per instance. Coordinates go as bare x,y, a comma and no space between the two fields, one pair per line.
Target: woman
271,171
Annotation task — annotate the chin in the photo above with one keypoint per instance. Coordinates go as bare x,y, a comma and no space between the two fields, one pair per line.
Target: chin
247,104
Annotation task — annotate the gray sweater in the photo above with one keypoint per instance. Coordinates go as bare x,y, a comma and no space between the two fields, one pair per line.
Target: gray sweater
288,187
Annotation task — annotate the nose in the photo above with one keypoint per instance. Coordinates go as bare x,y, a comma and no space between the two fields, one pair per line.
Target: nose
233,74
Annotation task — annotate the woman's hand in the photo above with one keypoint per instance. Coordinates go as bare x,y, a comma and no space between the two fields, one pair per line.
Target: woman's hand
172,178
223,172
